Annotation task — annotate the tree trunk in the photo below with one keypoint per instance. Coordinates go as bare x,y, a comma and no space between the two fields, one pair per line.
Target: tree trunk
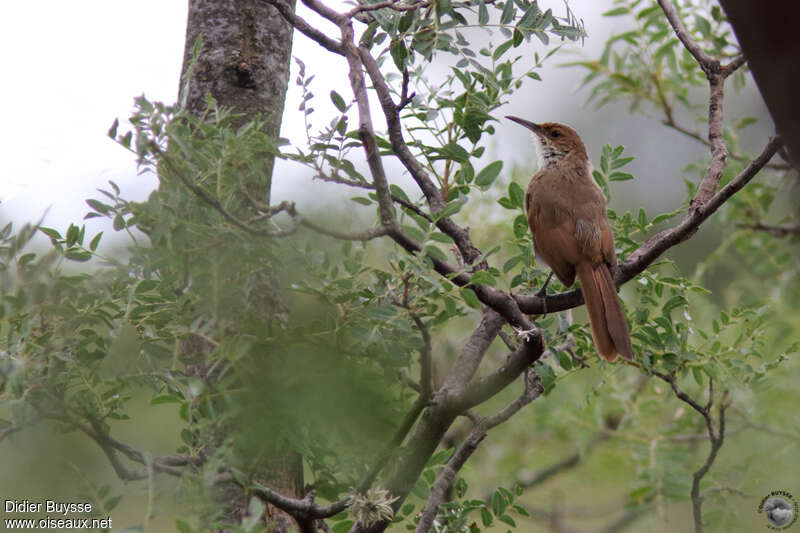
243,63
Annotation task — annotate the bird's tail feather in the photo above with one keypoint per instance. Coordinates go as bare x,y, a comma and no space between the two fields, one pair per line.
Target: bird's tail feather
609,330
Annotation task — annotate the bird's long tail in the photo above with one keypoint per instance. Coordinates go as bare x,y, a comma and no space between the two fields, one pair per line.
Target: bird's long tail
609,330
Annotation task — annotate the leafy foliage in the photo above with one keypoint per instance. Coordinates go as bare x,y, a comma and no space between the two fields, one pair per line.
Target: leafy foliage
297,343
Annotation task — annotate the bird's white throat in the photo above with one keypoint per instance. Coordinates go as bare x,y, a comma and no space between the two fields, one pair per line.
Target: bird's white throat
547,153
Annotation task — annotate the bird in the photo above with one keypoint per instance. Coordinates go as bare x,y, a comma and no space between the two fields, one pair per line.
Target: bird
566,212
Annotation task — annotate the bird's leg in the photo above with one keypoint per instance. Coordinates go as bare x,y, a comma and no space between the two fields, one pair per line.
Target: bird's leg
543,293
524,334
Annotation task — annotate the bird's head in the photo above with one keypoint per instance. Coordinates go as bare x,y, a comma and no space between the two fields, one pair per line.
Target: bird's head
554,141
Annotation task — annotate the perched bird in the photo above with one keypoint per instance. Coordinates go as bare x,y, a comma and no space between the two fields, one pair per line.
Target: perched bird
567,215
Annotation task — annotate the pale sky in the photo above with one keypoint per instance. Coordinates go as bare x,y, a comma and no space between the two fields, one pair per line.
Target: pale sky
71,68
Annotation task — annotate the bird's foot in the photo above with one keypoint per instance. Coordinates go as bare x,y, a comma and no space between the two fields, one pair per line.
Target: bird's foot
543,293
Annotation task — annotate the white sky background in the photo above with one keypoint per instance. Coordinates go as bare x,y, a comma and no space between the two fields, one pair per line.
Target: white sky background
70,68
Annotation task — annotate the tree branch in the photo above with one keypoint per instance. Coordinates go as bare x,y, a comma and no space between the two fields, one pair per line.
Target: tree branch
305,28
365,131
567,463
10,430
432,194
366,235
394,5
446,478
716,437
529,351
775,231
464,368
707,63
302,509
112,448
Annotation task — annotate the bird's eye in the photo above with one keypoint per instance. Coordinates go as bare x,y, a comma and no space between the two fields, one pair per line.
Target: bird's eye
555,134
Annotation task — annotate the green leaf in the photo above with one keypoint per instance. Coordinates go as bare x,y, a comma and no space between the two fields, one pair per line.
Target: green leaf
470,298
516,194
112,131
421,489
617,11
703,25
744,122
50,232
72,235
507,519
440,457
502,49
399,192
343,526
254,511
434,252
482,277
564,361
119,223
455,152
187,437
486,516
620,176
520,510
461,487
338,101
511,263
508,12
483,13
452,207
642,217
487,176
499,503
361,200
75,254
399,53
95,241
165,398
441,237
547,375
621,162
406,21
111,503
126,140
98,206
661,218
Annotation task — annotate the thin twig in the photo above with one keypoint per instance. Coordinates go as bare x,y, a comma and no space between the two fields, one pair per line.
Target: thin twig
716,438
564,464
303,509
287,12
776,231
10,430
706,62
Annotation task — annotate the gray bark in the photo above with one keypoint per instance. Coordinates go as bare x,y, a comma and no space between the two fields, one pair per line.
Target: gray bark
244,64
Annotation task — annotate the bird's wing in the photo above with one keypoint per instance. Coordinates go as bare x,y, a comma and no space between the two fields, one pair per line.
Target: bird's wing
551,243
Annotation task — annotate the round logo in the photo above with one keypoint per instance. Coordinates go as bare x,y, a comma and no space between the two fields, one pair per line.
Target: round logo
780,509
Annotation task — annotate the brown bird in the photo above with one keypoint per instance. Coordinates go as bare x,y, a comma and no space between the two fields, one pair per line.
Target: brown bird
567,216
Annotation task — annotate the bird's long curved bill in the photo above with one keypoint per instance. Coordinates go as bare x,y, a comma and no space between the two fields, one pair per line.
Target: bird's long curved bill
527,123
